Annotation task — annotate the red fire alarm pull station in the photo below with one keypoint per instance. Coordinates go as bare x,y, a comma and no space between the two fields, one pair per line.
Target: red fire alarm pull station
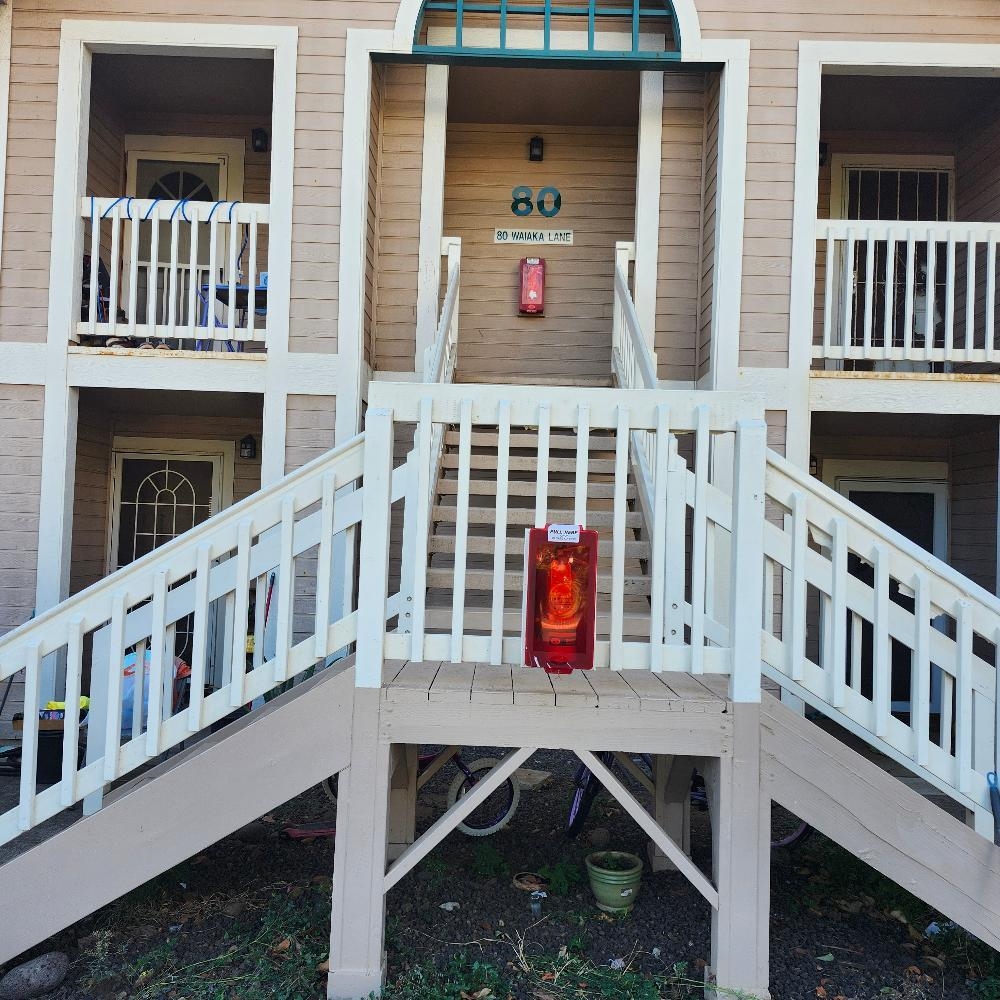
560,610
532,298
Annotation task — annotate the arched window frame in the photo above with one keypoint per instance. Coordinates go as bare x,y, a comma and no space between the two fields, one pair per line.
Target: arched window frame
639,13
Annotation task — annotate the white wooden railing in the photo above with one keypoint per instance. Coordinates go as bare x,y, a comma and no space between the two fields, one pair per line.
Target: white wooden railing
206,283
682,634
441,357
633,361
908,294
881,636
276,546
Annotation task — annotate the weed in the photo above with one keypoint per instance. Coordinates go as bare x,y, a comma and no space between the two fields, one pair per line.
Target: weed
488,862
562,876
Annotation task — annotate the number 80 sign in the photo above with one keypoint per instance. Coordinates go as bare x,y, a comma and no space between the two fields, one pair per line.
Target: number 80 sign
548,203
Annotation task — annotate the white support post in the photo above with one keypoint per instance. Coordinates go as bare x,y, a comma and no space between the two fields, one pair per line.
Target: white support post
357,925
746,571
741,860
647,202
374,570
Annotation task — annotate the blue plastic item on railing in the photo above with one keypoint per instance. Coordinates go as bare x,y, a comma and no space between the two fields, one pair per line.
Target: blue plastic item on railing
992,781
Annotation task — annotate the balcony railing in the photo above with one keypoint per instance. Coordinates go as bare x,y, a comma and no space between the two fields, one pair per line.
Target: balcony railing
191,273
909,296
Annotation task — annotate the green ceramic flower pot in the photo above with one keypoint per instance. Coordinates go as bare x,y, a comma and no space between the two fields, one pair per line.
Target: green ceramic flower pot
615,878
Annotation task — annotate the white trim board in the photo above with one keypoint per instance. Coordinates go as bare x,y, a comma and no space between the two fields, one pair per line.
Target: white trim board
840,163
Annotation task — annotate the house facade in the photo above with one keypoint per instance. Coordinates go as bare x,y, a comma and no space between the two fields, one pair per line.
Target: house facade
720,282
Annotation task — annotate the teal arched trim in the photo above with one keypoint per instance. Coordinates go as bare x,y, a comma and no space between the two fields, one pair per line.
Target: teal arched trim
592,15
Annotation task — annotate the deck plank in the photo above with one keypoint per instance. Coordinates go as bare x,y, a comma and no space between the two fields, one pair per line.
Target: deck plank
612,690
696,697
492,685
453,682
413,682
573,690
653,694
533,687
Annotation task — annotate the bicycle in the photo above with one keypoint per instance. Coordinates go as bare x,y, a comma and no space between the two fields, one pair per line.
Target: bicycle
789,833
486,819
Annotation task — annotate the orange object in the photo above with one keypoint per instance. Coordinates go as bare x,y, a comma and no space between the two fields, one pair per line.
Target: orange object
560,598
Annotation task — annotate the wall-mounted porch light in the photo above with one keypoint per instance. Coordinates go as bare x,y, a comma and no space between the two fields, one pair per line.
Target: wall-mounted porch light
536,149
260,141
248,447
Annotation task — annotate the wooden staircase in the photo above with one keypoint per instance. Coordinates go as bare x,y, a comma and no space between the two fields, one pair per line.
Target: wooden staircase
521,515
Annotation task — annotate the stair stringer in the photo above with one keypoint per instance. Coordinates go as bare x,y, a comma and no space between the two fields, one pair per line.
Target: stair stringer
880,820
179,808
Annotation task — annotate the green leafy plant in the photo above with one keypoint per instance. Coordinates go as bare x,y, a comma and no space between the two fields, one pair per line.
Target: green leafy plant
562,876
488,862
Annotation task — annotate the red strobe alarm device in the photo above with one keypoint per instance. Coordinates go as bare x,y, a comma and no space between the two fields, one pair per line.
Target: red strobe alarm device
560,609
532,294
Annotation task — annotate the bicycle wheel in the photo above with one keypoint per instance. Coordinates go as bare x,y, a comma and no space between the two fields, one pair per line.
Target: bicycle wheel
329,786
787,830
493,814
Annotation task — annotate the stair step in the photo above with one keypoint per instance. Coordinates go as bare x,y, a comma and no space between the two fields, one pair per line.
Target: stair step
557,442
635,586
515,546
517,488
448,514
596,466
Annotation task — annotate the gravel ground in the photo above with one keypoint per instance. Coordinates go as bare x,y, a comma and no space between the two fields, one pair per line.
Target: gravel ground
838,931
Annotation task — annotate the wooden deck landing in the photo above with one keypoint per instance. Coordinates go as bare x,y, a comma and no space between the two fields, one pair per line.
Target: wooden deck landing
482,705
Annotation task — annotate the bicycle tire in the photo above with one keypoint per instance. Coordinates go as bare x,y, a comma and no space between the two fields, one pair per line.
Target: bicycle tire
329,786
798,836
501,817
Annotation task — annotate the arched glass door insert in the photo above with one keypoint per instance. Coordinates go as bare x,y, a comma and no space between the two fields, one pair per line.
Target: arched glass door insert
643,31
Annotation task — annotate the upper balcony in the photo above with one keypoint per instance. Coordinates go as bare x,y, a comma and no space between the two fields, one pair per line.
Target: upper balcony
175,212
908,226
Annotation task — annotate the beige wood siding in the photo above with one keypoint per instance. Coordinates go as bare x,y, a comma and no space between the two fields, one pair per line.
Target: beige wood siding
680,258
91,496
594,168
710,187
974,507
372,216
400,164
311,423
20,476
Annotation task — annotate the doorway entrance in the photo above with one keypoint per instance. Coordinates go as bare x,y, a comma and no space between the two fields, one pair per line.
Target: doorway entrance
911,498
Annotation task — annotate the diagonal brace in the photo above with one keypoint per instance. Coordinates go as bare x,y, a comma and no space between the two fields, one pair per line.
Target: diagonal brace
418,850
665,843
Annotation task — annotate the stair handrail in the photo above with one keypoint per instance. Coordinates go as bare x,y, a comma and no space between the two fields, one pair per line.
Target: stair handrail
441,356
205,574
633,360
810,548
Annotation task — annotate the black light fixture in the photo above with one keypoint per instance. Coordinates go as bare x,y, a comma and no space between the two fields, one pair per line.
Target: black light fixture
813,466
824,153
260,141
248,447
536,149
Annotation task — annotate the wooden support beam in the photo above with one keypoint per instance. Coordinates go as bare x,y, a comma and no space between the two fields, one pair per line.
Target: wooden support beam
403,798
741,859
671,805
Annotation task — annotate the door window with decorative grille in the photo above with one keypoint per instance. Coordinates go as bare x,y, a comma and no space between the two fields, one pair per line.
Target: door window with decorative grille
896,194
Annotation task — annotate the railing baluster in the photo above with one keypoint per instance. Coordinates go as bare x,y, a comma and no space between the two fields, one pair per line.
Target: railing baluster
658,540
324,571
213,271
889,301
425,473
29,737
920,720
582,463
286,589
500,535
461,530
964,735
618,532
882,665
796,642
930,296
132,317
991,295
138,689
838,614
252,277
949,297
93,302
542,466
153,281
199,635
173,293
848,292
971,254
831,248
869,294
158,657
699,539
116,656
673,615
911,281
241,611
116,255
194,281
233,275
71,719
